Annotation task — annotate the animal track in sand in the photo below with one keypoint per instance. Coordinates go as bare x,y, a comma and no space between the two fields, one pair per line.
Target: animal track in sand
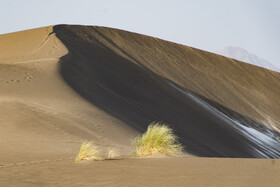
46,40
27,77
33,162
99,135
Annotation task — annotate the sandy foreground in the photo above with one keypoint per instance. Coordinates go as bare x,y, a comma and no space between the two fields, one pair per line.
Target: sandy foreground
144,172
64,84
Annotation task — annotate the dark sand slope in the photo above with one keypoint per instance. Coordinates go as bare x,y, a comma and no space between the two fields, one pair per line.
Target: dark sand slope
217,106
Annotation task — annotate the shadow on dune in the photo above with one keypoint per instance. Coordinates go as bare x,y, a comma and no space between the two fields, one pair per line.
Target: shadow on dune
130,92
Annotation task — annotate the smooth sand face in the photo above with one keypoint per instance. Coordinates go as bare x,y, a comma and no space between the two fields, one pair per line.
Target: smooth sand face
44,115
41,116
144,172
139,79
246,89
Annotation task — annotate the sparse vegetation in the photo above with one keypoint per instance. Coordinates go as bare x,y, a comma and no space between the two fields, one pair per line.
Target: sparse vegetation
158,139
112,153
88,152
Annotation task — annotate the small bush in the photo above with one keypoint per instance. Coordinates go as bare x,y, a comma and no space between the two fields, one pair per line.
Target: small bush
158,139
112,153
88,152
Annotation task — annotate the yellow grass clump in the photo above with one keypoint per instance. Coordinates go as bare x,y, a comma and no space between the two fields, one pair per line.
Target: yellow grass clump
112,153
88,152
158,139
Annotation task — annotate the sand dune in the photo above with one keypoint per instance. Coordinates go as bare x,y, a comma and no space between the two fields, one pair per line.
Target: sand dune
244,56
167,82
63,84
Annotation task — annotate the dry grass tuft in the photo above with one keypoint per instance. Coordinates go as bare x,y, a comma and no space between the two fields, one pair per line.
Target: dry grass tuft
112,153
88,152
158,139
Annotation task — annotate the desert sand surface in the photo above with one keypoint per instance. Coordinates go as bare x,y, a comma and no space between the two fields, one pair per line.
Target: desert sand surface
145,172
60,85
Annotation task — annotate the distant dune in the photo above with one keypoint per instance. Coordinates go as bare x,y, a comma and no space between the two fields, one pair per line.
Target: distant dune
63,84
244,56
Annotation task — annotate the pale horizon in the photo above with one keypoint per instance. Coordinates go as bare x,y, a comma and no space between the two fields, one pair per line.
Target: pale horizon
206,25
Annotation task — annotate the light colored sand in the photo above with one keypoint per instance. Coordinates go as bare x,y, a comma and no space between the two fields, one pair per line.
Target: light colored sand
41,116
144,172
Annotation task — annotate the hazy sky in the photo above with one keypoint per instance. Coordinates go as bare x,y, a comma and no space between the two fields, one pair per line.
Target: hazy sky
205,24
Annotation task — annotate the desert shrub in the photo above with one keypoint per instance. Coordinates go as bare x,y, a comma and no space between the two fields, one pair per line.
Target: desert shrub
88,152
158,139
112,153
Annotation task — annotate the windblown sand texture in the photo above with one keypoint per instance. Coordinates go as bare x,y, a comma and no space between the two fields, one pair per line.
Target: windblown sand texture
63,84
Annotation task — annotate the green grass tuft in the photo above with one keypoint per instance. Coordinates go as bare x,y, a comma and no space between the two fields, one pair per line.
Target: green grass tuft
158,139
88,152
